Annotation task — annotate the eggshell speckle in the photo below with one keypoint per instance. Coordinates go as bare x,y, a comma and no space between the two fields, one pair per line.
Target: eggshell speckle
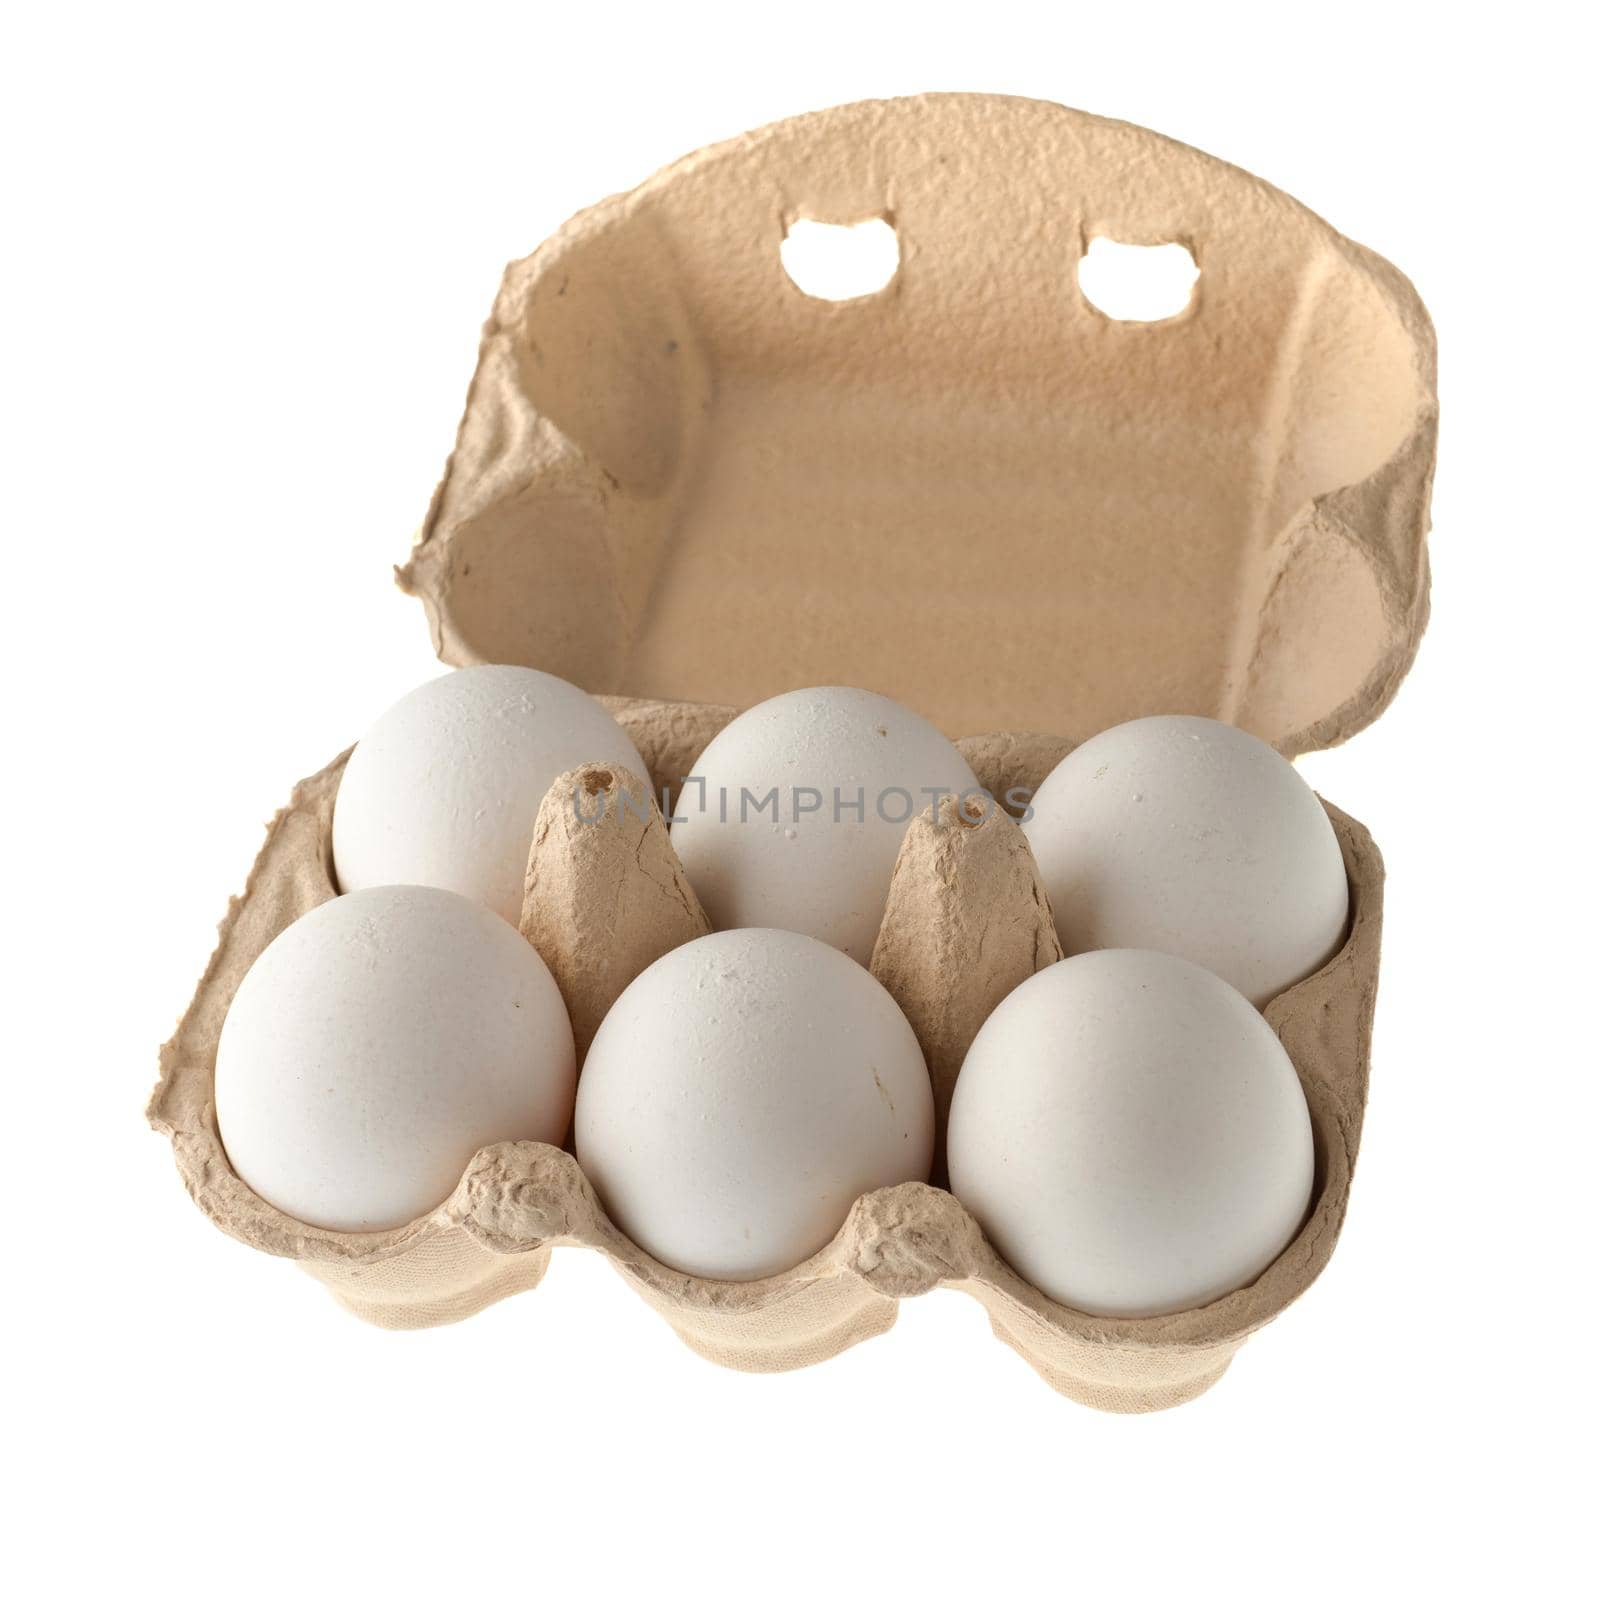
445,787
845,771
1131,1135
1193,837
378,1043
741,1094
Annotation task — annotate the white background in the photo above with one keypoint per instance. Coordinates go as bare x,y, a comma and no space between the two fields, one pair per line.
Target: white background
249,252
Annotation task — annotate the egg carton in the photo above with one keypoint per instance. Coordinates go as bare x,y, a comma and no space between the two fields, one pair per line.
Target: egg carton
678,476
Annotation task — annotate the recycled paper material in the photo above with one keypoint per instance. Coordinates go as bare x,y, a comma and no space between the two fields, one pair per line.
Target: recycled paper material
685,485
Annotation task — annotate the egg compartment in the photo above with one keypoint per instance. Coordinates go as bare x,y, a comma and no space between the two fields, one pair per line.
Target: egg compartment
967,920
682,482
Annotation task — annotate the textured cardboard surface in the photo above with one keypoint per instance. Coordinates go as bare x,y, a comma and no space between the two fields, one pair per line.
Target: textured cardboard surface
679,477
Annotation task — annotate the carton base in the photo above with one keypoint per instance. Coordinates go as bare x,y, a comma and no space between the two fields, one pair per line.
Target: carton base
867,1323
958,888
462,1279
1126,1386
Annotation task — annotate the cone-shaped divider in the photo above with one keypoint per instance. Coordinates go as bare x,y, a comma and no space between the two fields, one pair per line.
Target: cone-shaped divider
967,921
605,894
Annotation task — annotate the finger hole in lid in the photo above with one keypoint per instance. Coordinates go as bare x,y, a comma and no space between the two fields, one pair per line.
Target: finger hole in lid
840,261
1137,282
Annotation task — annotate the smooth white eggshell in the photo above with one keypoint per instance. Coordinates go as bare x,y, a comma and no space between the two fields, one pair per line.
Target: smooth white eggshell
825,871
741,1094
1130,1135
377,1044
1187,835
444,789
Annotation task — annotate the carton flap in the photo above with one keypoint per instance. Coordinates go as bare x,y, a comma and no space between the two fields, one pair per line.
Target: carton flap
679,476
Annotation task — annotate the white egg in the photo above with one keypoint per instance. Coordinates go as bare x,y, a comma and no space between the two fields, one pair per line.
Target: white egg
741,1094
1187,835
793,815
445,787
377,1044
1130,1135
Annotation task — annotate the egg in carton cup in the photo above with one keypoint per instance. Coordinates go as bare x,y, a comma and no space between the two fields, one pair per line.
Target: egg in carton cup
681,477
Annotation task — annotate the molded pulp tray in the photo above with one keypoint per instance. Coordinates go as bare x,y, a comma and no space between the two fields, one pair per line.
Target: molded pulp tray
683,484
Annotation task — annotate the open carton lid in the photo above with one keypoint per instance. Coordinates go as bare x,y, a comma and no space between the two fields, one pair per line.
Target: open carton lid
680,477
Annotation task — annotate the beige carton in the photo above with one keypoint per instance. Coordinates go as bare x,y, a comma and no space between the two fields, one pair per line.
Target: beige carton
686,485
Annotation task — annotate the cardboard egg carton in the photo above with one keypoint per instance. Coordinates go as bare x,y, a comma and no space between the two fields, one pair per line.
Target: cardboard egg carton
679,477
